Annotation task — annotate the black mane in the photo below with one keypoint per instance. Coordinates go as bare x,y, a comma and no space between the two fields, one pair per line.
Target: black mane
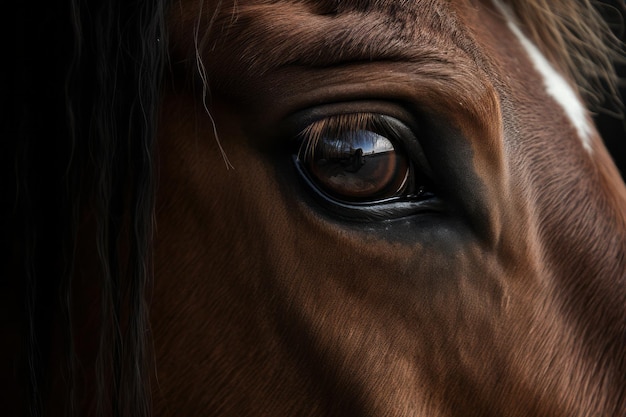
86,91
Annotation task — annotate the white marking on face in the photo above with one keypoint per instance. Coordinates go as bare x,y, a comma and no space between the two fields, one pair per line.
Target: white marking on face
554,82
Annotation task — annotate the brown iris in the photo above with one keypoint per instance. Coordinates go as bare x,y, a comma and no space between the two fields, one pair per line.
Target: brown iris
359,165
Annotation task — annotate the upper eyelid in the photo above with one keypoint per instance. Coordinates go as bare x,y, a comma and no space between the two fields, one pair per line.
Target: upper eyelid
296,122
339,125
342,122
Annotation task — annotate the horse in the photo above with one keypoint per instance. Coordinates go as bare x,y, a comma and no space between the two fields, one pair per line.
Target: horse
315,208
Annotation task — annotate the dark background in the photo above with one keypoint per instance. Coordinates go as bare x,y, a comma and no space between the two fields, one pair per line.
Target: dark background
613,128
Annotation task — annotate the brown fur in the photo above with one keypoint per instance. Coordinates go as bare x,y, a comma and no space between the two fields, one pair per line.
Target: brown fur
508,299
511,303
570,32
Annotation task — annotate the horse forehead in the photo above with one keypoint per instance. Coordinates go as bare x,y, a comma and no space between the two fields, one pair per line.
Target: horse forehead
555,85
263,46
269,34
249,38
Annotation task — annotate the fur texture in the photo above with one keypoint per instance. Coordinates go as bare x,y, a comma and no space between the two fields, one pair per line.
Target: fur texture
81,174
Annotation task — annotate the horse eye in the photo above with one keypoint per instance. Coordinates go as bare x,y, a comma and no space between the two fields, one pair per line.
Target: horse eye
354,166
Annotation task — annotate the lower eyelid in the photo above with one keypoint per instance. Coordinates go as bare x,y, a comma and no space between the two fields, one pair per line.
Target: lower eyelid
388,209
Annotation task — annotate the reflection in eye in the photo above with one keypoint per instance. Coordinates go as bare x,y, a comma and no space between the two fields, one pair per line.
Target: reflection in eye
354,158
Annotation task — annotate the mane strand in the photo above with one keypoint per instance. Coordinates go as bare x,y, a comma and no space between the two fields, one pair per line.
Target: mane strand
80,146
